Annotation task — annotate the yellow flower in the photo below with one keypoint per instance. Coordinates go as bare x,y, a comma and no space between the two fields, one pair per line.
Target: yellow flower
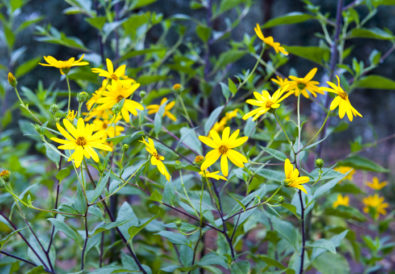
341,201
265,102
292,178
116,92
11,79
156,159
281,82
375,184
341,101
155,108
199,159
269,40
63,66
302,85
344,170
177,86
5,175
119,73
81,140
223,148
111,130
95,97
214,175
71,115
375,205
219,126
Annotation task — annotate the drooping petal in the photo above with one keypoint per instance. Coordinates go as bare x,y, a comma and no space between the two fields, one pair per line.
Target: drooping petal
210,158
237,158
224,165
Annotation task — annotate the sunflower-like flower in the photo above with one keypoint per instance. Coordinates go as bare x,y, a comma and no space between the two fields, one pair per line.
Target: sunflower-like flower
375,205
110,129
81,140
63,66
299,86
341,101
156,159
292,178
265,102
223,148
269,41
219,126
344,201
344,170
213,175
375,184
155,108
281,82
118,74
71,115
118,91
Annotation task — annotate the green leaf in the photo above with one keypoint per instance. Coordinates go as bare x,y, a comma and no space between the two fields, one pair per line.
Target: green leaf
133,230
68,230
26,67
63,173
279,155
376,82
9,36
250,128
212,119
329,263
361,163
28,129
346,213
286,230
228,4
158,118
232,86
270,174
142,3
173,237
97,22
101,185
323,243
347,187
27,23
377,3
325,188
105,227
271,262
374,33
52,153
315,54
227,58
213,259
203,32
240,267
189,137
126,212
290,18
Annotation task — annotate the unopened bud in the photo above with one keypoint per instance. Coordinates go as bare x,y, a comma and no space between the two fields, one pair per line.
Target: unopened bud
177,87
142,94
12,79
199,159
5,175
125,147
82,97
319,163
53,108
118,107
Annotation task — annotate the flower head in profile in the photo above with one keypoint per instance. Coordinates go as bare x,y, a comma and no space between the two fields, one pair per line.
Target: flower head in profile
71,115
344,201
81,140
155,108
213,175
118,91
299,86
281,82
219,126
344,170
156,159
341,101
177,86
269,41
375,205
110,129
292,178
375,184
224,148
119,73
63,66
265,102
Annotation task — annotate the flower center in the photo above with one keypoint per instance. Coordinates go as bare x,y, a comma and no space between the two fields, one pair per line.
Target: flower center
104,126
301,86
269,104
119,98
114,76
223,149
343,95
156,155
81,141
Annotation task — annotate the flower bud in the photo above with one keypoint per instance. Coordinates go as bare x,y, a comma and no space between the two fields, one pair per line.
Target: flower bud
177,86
82,97
319,163
142,94
125,147
12,79
53,108
118,106
5,175
199,159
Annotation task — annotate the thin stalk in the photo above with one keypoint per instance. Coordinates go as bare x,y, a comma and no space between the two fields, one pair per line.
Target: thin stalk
68,87
17,258
86,239
319,131
23,105
285,132
56,206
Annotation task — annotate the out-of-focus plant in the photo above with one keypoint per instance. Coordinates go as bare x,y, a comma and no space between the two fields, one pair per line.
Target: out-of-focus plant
160,160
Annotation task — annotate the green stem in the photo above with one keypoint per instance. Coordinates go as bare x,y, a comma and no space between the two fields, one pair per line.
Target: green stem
185,110
285,133
319,131
68,87
23,105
